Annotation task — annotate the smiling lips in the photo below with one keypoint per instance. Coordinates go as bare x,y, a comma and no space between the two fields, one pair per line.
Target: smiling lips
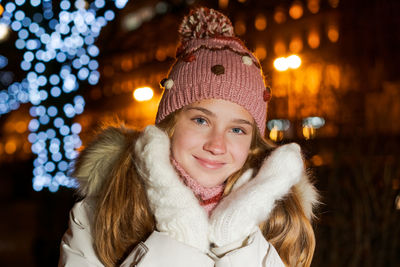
209,164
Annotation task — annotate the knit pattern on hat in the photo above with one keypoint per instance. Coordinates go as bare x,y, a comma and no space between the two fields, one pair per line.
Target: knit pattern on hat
216,65
209,197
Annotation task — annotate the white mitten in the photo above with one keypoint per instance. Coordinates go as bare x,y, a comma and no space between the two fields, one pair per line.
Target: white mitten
176,209
238,214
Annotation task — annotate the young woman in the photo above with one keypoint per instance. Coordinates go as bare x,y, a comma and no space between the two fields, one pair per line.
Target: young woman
202,187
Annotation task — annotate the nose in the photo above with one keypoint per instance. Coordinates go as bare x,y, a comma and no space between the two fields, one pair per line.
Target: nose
215,144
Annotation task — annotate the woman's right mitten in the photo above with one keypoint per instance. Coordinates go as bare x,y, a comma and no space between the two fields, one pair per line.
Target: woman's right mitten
176,209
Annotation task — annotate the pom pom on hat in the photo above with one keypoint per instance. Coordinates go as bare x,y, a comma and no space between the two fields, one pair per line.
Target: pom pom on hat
205,23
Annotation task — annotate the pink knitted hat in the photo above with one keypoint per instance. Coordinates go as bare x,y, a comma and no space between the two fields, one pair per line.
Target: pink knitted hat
212,63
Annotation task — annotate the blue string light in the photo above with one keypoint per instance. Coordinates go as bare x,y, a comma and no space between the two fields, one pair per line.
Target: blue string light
49,41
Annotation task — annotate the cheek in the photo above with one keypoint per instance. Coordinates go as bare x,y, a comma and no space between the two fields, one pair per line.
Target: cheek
183,140
240,151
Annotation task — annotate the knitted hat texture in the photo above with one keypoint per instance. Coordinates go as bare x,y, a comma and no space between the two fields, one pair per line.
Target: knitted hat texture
212,63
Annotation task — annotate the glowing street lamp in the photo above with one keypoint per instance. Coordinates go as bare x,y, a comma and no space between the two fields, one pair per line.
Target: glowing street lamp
143,94
289,63
293,61
281,64
285,63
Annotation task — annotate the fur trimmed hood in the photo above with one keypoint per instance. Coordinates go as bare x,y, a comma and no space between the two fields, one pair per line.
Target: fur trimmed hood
96,161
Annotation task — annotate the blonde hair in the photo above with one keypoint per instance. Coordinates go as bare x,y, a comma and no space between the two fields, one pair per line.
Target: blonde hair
123,217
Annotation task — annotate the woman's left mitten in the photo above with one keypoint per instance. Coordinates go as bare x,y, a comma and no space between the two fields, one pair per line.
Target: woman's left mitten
238,214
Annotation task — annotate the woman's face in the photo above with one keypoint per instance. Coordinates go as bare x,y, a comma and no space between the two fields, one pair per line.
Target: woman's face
212,139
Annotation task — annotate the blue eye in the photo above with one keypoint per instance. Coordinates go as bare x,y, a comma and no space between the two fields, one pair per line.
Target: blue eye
200,121
238,131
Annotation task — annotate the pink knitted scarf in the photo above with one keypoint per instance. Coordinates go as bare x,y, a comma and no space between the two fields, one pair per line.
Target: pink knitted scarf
208,197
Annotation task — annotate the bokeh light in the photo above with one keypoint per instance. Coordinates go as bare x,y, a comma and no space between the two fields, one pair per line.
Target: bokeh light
296,10
66,39
4,31
294,61
281,64
143,94
285,63
260,22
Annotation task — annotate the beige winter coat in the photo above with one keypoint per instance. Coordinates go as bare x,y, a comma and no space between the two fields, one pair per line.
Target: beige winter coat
158,249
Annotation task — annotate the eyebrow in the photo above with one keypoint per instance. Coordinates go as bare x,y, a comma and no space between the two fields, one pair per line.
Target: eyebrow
212,114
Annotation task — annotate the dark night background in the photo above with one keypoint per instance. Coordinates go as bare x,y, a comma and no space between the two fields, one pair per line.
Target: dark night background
349,77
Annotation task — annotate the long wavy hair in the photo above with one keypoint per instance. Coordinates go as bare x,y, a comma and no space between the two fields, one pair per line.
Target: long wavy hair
123,218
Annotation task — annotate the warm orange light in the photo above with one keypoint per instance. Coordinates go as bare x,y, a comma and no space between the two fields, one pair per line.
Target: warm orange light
9,126
261,22
317,160
126,64
240,27
313,39
296,45
27,148
161,54
1,9
223,3
313,6
20,127
279,16
281,64
332,76
313,78
116,87
333,33
10,147
293,61
296,10
308,132
143,94
171,51
280,48
275,135
126,86
260,52
334,3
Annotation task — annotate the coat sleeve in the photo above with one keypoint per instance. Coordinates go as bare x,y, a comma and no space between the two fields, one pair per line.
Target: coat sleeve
256,252
77,243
